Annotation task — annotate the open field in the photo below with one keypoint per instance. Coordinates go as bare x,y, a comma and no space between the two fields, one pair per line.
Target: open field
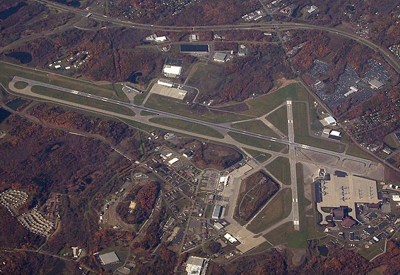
146,113
373,250
20,85
8,71
82,100
280,169
187,126
302,135
266,103
208,78
390,141
255,126
279,119
259,156
277,209
172,106
268,145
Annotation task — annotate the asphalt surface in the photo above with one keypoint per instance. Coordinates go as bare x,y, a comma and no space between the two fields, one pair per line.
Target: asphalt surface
188,119
292,164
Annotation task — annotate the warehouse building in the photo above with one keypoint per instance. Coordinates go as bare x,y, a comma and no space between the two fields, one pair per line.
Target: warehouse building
217,212
196,266
109,258
220,57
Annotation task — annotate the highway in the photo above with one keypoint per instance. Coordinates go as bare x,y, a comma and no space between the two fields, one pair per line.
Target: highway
215,126
274,25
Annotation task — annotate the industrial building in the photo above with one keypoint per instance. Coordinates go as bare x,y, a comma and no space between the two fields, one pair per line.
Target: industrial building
172,71
109,258
220,57
196,266
328,121
165,83
217,212
200,49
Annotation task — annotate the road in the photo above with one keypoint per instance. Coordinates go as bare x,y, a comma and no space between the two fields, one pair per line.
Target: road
274,25
138,108
292,163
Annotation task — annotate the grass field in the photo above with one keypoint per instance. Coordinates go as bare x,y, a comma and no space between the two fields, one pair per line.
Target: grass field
8,71
279,119
256,142
82,100
266,103
172,106
20,85
138,99
255,126
146,113
280,169
390,141
208,78
187,126
373,250
277,209
300,121
259,156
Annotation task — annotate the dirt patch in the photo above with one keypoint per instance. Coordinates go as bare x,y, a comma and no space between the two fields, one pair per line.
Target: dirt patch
299,256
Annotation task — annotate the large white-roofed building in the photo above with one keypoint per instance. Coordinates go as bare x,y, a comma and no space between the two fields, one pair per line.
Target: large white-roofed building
172,71
109,258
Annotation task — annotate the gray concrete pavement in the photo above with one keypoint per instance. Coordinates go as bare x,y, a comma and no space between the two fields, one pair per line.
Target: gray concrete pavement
292,163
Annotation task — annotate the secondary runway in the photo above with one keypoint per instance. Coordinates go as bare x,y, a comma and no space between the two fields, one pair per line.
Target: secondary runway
292,164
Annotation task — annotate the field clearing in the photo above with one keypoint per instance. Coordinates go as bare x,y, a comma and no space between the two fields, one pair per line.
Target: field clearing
20,85
302,131
266,103
112,91
82,100
187,126
373,250
208,78
279,119
280,169
256,142
277,209
255,126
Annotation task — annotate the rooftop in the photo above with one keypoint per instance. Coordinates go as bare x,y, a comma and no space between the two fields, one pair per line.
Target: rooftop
109,258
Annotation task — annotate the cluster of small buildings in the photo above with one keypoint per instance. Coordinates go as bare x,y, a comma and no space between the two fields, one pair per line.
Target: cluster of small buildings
36,223
12,199
73,62
395,49
254,16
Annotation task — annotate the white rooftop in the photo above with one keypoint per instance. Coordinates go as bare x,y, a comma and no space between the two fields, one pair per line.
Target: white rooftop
172,70
109,258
